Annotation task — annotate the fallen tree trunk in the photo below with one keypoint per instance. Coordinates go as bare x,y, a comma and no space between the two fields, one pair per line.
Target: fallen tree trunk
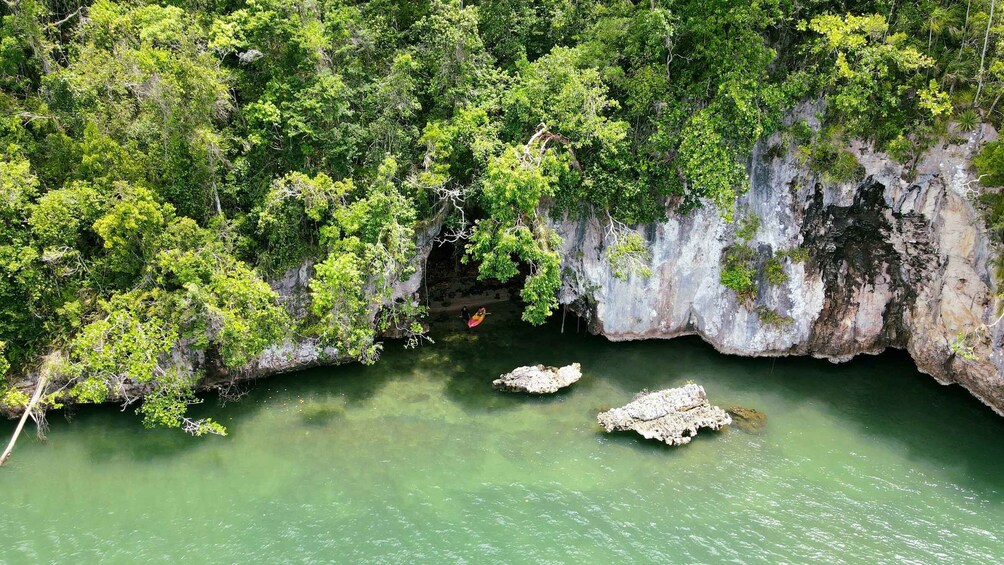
42,381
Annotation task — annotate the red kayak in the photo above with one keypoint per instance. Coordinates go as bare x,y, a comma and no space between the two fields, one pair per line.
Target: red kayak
475,320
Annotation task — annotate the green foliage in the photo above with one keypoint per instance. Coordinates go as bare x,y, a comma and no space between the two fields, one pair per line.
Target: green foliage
796,254
967,120
295,209
124,346
774,271
739,271
802,133
370,240
990,164
748,227
962,346
770,317
513,187
165,405
630,254
571,99
742,271
990,168
826,156
402,318
451,54
220,300
710,169
876,76
130,229
14,398
4,364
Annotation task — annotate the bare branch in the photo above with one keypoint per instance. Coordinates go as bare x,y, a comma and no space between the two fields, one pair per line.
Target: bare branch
71,15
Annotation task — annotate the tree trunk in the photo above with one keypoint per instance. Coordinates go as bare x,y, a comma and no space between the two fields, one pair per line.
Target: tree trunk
986,40
965,28
42,379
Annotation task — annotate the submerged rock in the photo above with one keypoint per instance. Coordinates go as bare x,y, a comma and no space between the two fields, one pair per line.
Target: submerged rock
538,379
748,419
672,416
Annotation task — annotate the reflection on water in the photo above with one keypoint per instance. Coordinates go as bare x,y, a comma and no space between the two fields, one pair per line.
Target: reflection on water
416,458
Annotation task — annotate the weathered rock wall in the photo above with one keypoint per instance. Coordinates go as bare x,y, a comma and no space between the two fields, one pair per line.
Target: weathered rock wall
895,260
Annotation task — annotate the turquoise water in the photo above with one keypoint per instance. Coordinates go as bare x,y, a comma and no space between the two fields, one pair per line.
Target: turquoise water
416,459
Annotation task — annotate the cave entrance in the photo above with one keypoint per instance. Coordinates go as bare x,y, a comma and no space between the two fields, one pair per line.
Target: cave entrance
450,284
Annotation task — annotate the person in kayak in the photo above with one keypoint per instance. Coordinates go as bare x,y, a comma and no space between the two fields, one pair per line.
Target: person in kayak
477,318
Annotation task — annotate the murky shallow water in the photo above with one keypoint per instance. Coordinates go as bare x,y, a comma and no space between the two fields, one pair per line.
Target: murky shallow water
417,459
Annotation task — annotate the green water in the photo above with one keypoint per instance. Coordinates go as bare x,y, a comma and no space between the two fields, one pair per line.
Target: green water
416,459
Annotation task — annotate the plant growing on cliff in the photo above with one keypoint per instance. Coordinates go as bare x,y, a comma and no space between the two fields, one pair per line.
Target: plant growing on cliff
514,184
774,271
4,364
402,318
739,266
989,164
826,156
627,252
741,270
963,347
370,241
708,165
773,318
967,120
630,254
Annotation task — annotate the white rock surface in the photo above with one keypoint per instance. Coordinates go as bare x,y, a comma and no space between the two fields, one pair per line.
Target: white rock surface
538,379
672,416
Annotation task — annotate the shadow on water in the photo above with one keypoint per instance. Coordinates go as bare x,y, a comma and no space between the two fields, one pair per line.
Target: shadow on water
478,356
154,444
882,397
111,434
632,440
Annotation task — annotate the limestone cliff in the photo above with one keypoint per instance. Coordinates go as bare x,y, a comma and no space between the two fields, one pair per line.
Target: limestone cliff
897,259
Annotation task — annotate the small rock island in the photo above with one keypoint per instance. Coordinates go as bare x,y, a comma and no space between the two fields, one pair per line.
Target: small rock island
672,416
538,379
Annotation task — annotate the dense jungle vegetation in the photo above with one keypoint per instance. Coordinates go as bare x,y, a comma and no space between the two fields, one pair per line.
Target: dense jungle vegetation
160,161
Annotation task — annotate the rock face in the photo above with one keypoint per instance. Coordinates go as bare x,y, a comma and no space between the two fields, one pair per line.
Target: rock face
898,258
672,416
538,379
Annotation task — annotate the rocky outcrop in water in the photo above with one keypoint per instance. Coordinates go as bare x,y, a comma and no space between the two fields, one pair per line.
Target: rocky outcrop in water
671,416
897,258
538,379
748,419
